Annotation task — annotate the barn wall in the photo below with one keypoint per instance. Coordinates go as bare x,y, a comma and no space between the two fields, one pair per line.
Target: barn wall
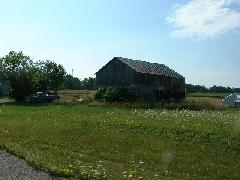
163,82
115,73
155,88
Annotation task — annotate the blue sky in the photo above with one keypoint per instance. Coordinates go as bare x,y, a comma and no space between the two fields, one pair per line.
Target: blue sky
200,39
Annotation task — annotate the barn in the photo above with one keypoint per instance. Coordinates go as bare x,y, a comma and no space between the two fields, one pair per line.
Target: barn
149,82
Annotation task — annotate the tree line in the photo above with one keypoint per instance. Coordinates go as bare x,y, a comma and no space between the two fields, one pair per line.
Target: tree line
20,76
75,83
214,89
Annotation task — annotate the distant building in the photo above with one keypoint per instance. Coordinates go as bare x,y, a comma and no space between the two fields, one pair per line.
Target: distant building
232,100
150,82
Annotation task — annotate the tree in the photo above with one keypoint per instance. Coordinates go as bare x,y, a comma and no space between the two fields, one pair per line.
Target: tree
1,70
71,82
1,91
52,75
195,88
26,77
214,89
1,78
17,69
89,83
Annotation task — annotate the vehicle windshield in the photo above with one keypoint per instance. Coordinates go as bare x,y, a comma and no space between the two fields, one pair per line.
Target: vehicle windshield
40,93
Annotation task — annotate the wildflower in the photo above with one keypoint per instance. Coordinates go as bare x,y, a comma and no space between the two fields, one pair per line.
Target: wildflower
67,171
141,162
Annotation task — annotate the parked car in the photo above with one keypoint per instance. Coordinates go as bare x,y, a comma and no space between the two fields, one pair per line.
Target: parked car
42,97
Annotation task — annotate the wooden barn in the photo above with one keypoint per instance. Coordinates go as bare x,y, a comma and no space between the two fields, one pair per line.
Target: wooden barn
150,82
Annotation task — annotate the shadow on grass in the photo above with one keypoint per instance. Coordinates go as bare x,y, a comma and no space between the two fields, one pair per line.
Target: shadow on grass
24,104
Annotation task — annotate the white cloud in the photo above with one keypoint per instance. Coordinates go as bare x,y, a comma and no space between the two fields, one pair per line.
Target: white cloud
201,19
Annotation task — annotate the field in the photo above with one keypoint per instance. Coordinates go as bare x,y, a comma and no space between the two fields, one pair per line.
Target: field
211,95
73,96
120,143
194,101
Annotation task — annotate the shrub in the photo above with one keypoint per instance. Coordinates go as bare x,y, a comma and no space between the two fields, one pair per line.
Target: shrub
99,95
114,95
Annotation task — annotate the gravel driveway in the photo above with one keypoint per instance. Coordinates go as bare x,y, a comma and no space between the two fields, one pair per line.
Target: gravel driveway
12,168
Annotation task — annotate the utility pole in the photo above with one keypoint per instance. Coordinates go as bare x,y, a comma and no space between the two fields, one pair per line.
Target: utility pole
72,80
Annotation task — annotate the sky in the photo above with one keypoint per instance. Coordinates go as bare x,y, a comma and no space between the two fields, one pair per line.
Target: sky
199,39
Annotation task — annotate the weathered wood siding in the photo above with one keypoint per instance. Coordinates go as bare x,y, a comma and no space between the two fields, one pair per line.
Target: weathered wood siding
162,82
115,73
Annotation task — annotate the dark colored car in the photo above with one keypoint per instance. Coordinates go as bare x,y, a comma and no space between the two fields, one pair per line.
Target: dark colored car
41,97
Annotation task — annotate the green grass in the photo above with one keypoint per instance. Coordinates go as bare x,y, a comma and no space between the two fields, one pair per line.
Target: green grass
204,103
118,143
195,101
6,100
211,95
72,96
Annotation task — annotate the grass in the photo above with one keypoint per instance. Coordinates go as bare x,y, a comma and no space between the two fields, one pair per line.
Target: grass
211,95
76,96
117,143
195,101
204,103
6,100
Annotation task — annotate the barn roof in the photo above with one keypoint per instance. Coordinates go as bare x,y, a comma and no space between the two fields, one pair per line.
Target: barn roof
149,68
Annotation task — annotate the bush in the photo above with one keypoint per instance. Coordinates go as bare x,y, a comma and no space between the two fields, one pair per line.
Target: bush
114,95
99,95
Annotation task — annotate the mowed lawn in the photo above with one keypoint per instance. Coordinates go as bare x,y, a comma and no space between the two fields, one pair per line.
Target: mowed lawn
117,143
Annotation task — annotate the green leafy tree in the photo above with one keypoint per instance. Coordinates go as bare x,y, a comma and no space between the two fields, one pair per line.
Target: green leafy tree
214,89
26,77
1,90
17,69
4,85
89,83
52,75
1,78
71,82
1,70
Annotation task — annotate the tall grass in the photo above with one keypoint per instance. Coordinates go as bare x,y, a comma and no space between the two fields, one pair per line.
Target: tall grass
211,95
204,103
209,101
188,104
122,143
